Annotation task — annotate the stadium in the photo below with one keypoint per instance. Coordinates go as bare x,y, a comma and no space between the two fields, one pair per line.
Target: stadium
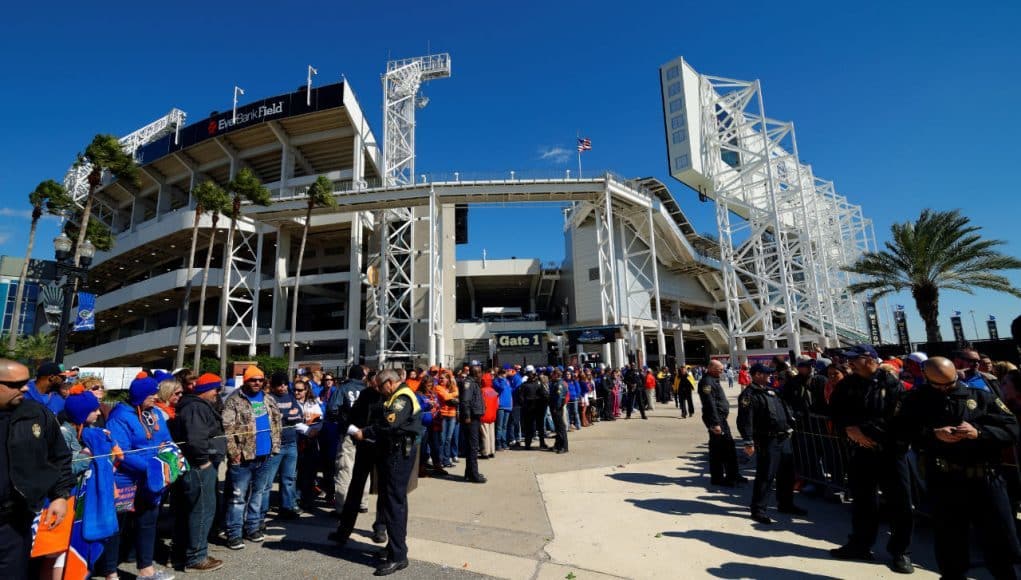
381,282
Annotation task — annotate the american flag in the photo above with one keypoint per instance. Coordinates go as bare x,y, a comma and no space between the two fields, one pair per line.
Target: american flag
584,144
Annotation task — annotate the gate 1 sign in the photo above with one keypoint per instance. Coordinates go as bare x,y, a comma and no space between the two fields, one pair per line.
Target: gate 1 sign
518,340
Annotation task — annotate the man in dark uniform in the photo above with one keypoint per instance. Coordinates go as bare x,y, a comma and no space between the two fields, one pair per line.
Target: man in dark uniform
863,405
534,409
803,393
962,433
766,425
35,465
557,402
470,410
396,434
367,408
636,394
715,409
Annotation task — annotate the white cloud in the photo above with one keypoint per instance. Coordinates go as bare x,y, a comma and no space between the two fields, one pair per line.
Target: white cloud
4,237
554,154
18,213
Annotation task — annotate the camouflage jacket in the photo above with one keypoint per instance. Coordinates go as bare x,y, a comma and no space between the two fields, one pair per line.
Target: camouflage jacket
239,425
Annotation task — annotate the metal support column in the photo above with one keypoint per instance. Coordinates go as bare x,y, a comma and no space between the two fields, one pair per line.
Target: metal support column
654,264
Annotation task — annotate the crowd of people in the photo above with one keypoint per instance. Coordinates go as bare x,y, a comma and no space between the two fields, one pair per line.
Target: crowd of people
936,433
184,447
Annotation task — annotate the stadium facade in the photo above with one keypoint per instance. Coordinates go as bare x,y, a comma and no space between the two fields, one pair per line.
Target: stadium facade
637,280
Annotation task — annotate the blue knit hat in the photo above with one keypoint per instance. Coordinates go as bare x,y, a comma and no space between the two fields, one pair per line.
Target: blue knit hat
79,404
141,389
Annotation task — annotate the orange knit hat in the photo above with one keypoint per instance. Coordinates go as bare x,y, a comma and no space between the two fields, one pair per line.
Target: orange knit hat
254,372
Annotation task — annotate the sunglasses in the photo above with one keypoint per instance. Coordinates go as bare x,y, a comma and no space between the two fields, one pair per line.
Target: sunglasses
257,380
14,384
973,361
299,390
97,388
178,394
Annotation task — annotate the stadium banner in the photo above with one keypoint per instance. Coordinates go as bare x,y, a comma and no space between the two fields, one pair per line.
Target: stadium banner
86,318
872,317
955,322
902,329
994,333
593,334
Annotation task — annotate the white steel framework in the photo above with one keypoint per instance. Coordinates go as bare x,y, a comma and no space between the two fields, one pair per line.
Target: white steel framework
393,321
784,234
76,181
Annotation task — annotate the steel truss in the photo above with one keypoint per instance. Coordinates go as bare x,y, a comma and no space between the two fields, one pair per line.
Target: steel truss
783,240
76,180
640,264
392,318
437,351
242,285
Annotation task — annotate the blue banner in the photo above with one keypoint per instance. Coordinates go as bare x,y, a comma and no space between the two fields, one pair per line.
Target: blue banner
86,319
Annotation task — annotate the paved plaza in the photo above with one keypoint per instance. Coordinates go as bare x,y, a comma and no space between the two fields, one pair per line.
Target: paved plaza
631,500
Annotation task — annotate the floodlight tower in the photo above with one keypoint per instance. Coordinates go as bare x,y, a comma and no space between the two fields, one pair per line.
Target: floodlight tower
393,320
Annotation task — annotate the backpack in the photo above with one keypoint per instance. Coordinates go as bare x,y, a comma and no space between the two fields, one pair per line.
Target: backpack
336,402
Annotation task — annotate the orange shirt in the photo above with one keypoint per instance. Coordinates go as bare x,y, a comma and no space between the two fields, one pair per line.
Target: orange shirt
444,394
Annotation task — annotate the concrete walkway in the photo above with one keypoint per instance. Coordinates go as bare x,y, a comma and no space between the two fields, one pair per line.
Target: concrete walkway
630,500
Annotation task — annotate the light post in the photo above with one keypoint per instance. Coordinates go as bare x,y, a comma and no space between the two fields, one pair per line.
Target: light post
75,275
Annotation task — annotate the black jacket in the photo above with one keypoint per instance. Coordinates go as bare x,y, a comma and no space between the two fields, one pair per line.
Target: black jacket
532,393
926,408
199,428
471,405
804,394
715,406
762,414
40,462
868,404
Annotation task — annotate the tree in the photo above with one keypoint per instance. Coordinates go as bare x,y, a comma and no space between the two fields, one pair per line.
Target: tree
103,154
244,187
211,198
319,195
942,250
35,348
54,198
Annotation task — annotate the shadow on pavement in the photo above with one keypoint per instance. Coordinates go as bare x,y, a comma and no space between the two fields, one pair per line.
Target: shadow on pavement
750,546
737,570
684,507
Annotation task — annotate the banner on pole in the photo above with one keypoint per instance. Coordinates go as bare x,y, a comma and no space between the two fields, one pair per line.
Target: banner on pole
86,318
994,333
902,329
872,317
955,322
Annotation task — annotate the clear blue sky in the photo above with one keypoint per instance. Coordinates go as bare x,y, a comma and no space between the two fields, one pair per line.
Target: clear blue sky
903,105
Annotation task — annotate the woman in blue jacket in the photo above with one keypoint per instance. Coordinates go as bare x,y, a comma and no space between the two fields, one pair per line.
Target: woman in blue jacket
503,413
139,429
574,389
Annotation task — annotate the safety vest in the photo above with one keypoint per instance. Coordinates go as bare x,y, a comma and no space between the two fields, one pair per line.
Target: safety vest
405,390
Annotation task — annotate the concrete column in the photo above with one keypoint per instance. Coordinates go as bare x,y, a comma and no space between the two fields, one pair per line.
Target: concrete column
354,292
679,335
280,293
358,161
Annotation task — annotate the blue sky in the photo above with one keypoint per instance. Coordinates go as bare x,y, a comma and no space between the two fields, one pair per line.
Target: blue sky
903,105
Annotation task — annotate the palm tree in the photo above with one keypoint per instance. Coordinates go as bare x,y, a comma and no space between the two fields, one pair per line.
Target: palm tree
244,187
321,195
942,250
216,201
54,197
209,197
35,348
103,154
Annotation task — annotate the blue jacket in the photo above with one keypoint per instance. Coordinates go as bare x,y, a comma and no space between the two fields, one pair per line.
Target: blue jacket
52,401
130,434
574,389
502,386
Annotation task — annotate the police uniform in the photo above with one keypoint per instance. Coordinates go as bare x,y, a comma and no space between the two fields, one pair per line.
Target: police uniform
963,477
715,409
396,432
869,404
763,419
366,410
557,400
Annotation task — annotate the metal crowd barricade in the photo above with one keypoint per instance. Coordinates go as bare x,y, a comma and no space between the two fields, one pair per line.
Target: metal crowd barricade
821,456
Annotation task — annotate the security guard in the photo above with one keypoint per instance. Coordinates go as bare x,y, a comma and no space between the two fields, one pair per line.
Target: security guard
961,433
558,394
715,408
765,423
863,406
396,433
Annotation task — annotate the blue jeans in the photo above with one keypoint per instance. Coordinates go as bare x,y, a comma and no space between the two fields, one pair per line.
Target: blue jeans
548,421
244,497
514,426
446,439
502,417
455,440
142,535
194,505
287,466
572,414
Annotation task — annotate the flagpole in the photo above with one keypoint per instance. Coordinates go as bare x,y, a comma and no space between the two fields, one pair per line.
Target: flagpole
308,90
577,143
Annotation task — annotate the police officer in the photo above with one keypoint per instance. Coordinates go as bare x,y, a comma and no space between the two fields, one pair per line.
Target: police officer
558,392
534,400
863,406
715,408
35,465
636,394
470,409
766,424
396,433
962,433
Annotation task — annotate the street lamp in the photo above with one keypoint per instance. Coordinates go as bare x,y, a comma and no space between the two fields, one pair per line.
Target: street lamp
75,275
